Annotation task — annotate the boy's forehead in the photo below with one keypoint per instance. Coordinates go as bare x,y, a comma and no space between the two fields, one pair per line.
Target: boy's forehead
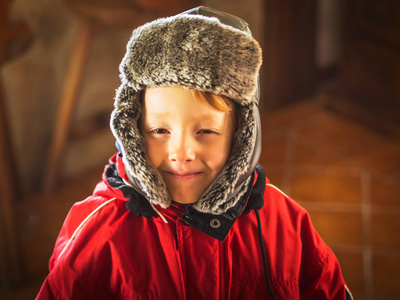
169,103
173,98
156,113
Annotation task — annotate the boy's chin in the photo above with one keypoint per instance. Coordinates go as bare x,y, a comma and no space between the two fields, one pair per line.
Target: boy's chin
184,198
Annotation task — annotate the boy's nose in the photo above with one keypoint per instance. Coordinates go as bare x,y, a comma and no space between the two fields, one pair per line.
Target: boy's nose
181,150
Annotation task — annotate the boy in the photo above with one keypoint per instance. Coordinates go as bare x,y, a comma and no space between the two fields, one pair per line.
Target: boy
184,211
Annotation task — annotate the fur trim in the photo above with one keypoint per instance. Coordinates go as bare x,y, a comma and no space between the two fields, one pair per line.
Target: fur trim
194,52
214,199
138,168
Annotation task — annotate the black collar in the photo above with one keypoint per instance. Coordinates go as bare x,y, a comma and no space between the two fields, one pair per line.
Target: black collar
218,226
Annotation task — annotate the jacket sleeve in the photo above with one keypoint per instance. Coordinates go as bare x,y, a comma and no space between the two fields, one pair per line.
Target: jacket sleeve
76,215
78,212
328,282
70,224
45,292
321,277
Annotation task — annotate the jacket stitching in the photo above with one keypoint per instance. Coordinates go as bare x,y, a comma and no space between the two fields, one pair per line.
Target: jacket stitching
82,224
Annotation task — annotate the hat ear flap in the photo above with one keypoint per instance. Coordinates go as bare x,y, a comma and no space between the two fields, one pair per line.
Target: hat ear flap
141,174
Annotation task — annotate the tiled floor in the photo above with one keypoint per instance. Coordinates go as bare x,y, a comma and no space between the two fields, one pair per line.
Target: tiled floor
346,175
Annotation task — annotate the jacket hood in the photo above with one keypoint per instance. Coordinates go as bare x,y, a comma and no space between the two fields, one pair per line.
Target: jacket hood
196,52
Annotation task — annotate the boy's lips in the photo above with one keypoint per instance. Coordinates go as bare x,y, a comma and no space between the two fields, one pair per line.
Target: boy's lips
183,175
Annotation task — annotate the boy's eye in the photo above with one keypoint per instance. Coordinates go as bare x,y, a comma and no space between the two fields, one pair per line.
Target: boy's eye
207,131
160,131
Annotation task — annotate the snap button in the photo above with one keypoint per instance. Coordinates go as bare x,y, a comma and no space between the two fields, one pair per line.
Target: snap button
215,223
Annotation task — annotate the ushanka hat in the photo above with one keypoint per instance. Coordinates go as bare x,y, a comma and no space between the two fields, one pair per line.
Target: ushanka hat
200,49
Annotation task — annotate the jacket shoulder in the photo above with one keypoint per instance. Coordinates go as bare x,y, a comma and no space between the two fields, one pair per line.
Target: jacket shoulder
80,210
319,272
291,216
80,213
276,199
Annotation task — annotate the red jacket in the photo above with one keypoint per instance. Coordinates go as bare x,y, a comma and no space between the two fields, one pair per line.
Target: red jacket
104,251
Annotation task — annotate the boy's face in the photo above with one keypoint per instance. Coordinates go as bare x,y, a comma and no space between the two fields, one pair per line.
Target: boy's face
187,140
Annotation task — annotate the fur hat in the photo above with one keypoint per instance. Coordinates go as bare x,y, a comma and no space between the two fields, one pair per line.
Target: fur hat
197,52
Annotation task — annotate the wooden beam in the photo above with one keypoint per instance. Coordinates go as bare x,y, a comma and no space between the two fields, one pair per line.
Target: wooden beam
10,275
10,263
67,106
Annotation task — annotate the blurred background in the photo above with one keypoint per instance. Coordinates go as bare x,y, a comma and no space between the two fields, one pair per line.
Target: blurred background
330,109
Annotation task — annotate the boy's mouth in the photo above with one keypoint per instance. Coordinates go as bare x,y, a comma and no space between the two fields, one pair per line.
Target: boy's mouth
183,175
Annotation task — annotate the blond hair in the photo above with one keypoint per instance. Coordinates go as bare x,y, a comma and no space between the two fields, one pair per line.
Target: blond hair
219,102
